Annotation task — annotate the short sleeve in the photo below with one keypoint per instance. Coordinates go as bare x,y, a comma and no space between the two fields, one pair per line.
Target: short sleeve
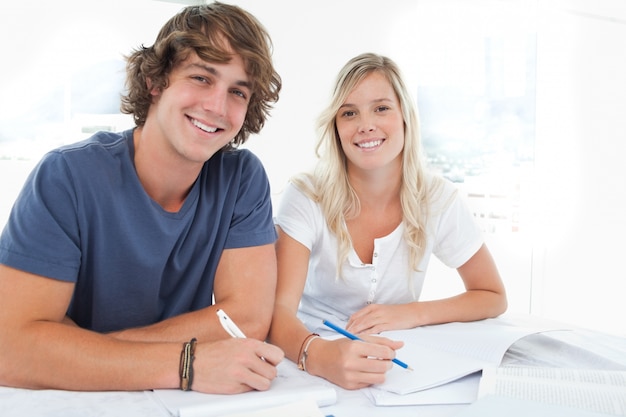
299,216
252,223
42,234
458,236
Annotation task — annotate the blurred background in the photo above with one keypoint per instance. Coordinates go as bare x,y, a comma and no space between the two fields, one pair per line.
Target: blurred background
522,105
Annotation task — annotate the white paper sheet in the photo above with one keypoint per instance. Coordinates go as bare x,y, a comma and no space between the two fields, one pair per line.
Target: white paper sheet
446,352
460,391
290,385
304,408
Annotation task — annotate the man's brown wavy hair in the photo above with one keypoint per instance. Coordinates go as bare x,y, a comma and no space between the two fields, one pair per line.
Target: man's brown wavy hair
202,29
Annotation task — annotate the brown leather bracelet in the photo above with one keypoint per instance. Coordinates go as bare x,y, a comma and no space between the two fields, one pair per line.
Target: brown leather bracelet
303,350
186,364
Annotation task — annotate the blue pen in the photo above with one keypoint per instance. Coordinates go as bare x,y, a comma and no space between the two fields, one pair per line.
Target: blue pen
354,337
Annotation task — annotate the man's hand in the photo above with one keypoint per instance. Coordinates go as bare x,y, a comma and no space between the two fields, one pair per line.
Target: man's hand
232,366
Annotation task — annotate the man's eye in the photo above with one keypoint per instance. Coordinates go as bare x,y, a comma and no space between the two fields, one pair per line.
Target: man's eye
240,94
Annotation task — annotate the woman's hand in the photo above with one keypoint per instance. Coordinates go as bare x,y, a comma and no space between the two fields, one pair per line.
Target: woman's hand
352,364
376,318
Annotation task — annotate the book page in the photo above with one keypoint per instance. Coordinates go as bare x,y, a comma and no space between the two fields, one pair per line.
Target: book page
494,406
564,375
586,389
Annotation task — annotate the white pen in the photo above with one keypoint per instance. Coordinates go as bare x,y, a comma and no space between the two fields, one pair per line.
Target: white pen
229,325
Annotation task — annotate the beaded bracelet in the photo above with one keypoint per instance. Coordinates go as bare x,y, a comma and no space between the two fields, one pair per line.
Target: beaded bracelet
186,364
304,350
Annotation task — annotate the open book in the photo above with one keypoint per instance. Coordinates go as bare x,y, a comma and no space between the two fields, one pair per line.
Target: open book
446,352
595,390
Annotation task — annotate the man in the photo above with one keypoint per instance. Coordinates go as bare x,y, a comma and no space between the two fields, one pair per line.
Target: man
117,245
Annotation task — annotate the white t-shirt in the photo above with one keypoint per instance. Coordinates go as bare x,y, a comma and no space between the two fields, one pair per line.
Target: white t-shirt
453,237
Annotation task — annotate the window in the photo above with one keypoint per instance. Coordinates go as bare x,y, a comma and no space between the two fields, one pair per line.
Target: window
476,71
63,74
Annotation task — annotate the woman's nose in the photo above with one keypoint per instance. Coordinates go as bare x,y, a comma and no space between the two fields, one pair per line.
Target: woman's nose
366,124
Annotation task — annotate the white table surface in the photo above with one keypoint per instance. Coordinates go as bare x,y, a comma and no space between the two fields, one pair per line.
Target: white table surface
568,348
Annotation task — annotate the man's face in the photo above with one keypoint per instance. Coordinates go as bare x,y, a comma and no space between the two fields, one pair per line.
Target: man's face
203,107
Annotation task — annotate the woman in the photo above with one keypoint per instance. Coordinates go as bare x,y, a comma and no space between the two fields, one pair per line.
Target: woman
356,235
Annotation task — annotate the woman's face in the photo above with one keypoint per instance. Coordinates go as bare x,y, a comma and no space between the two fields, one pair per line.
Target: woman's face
371,126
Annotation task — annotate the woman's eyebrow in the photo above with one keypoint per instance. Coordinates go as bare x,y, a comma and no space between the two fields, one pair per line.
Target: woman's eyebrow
376,101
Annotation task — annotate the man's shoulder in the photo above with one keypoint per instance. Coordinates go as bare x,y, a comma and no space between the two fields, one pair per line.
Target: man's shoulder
103,139
100,151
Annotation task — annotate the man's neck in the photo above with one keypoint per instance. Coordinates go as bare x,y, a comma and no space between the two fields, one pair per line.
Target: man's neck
165,178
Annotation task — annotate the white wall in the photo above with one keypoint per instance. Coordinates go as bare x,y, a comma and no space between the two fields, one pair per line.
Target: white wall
578,270
312,40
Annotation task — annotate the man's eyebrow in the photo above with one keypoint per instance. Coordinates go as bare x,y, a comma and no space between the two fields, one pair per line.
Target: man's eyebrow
213,71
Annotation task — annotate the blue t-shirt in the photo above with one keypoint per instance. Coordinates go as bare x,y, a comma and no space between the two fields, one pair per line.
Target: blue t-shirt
84,217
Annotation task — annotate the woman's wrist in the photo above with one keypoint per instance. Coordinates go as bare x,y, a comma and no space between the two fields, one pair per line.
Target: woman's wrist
303,353
418,311
313,355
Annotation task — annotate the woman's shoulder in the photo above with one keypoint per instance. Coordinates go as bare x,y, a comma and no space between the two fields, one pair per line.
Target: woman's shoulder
304,183
441,191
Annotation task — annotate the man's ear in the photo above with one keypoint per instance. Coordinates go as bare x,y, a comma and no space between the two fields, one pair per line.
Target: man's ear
153,91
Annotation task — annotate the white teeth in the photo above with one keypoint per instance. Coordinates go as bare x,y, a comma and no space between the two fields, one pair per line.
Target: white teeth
370,144
203,126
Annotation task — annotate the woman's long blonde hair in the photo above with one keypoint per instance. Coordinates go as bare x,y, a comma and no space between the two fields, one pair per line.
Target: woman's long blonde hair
328,184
